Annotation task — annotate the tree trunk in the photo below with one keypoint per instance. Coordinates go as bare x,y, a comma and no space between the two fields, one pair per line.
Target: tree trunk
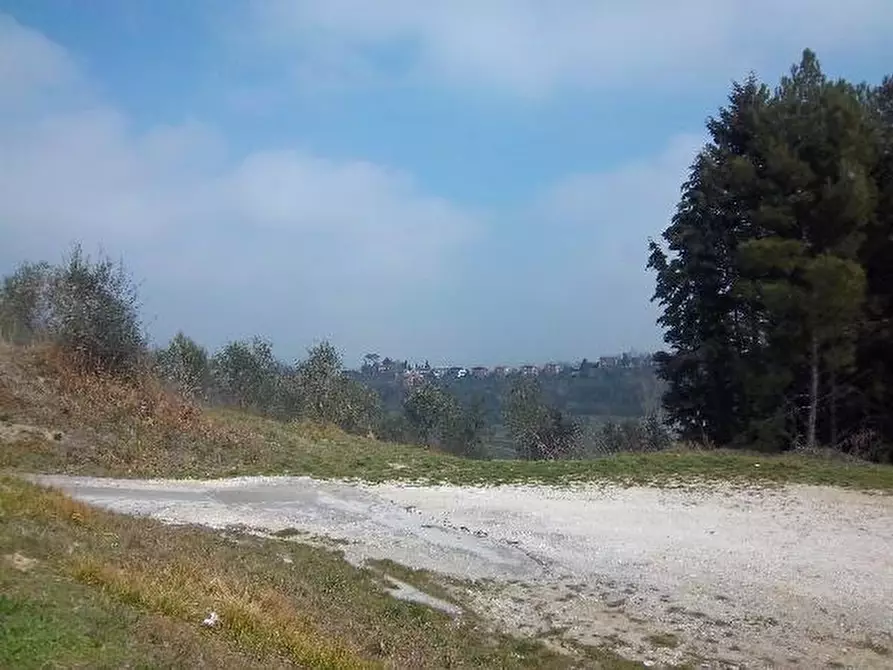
813,392
833,408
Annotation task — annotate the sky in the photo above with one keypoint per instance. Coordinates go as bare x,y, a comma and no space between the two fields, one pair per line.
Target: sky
464,182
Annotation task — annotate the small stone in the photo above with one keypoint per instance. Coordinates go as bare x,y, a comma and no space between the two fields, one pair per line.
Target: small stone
21,562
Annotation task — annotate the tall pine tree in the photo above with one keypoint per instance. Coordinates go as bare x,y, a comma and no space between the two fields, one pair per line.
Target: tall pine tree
802,265
867,404
707,325
764,290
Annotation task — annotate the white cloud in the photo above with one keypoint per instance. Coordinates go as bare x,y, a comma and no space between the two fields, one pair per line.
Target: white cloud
531,47
634,198
329,242
30,63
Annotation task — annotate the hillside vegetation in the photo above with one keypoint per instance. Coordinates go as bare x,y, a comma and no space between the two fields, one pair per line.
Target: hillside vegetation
54,418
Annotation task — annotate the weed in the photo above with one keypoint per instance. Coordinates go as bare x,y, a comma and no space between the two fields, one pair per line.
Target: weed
876,647
665,640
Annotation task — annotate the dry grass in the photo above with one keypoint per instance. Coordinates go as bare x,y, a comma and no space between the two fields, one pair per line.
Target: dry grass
52,620
143,405
263,620
108,424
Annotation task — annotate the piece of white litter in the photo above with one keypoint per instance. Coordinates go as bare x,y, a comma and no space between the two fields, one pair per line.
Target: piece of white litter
212,620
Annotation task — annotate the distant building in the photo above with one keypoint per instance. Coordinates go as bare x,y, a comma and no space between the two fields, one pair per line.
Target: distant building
479,372
643,361
413,378
529,370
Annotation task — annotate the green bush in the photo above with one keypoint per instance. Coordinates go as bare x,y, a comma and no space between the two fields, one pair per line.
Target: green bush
185,364
246,373
539,432
89,308
24,312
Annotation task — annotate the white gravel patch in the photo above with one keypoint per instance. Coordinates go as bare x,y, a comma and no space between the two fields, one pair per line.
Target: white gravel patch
792,577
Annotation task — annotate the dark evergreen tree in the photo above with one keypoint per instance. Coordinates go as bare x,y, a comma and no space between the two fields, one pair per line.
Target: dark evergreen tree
866,412
707,324
801,266
780,236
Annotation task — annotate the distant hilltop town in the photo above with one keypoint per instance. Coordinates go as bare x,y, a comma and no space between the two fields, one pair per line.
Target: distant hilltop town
374,366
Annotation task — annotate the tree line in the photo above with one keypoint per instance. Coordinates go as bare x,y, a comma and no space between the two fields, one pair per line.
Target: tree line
585,390
775,277
89,309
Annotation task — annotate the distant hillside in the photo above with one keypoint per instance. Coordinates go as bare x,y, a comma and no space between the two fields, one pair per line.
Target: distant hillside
615,387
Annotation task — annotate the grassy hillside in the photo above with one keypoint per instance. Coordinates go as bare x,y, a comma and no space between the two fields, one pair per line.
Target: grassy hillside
85,588
55,420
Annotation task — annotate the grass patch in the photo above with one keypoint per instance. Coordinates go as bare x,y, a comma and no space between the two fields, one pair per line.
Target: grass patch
664,640
47,619
262,620
96,589
274,448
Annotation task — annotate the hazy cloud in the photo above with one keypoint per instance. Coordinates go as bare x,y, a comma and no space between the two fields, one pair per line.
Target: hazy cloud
295,245
272,241
532,48
630,198
30,64
582,285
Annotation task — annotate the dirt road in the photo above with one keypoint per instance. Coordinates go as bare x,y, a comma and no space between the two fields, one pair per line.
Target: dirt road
793,577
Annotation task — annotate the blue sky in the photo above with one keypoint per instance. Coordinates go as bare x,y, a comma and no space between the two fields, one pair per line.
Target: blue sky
469,182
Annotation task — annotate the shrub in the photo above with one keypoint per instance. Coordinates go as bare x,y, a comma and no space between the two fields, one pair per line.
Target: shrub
185,365
538,431
246,373
88,308
23,303
326,395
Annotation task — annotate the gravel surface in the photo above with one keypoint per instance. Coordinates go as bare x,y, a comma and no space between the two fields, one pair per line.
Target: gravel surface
790,577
